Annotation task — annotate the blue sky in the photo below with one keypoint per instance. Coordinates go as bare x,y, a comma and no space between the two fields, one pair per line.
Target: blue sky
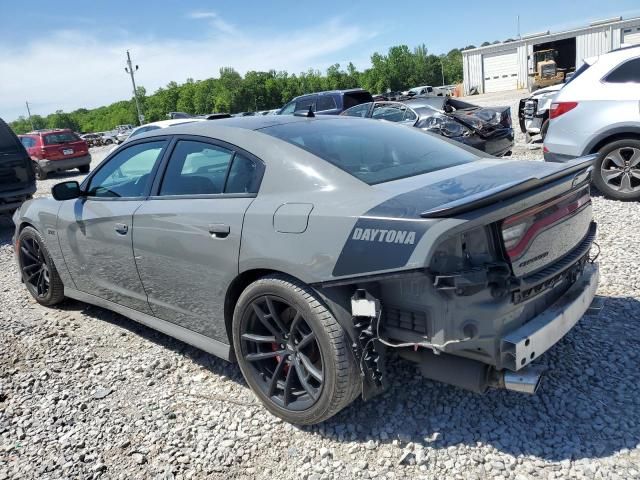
65,55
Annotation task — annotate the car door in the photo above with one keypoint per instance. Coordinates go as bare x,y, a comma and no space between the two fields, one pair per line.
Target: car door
186,237
95,230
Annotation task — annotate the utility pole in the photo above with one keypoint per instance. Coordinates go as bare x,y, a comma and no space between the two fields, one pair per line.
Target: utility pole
442,68
29,112
519,36
130,70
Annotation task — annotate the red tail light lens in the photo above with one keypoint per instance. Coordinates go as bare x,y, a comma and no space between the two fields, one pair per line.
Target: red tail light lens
519,230
560,108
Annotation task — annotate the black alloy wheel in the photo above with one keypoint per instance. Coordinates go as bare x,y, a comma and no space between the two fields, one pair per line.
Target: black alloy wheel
292,351
35,270
283,352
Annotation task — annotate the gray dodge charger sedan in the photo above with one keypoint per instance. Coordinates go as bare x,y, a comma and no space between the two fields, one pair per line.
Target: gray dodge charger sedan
309,249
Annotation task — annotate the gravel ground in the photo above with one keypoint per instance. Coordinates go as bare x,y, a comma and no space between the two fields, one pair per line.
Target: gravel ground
85,393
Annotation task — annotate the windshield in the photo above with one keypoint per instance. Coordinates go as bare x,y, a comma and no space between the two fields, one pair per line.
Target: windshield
61,137
371,150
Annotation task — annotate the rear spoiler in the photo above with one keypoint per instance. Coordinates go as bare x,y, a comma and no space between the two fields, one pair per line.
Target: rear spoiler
508,190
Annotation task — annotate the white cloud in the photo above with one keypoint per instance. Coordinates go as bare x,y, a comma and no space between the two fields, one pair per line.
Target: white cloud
72,69
214,20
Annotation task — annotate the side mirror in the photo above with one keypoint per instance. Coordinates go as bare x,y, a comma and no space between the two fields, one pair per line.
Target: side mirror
66,191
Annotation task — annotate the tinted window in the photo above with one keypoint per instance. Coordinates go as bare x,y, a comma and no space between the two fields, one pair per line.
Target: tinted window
351,99
28,142
62,137
358,111
196,168
304,103
325,102
374,152
625,73
243,176
128,172
579,71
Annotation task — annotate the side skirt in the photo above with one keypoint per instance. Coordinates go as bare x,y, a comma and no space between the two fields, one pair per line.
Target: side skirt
198,340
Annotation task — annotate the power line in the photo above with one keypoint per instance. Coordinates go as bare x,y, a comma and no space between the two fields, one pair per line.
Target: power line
130,70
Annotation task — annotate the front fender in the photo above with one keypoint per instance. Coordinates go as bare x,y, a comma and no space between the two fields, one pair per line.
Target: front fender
42,214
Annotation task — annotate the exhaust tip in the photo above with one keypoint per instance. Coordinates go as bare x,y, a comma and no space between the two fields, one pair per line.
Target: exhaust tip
526,380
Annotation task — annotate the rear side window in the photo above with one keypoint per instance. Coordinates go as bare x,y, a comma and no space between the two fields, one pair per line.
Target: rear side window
325,102
373,152
304,103
196,168
358,111
28,142
351,99
61,137
628,72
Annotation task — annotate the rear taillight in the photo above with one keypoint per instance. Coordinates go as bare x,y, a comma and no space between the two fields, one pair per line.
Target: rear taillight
518,230
560,108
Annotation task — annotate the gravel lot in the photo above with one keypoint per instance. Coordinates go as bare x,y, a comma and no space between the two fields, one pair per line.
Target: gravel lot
85,393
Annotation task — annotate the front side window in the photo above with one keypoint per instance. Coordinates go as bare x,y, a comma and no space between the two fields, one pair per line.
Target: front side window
628,72
373,152
127,173
197,168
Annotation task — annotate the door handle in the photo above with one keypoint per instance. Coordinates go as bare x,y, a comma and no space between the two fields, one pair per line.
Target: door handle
219,230
121,228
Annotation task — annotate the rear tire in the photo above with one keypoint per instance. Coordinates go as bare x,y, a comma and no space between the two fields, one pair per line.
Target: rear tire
40,174
84,169
616,171
38,271
292,352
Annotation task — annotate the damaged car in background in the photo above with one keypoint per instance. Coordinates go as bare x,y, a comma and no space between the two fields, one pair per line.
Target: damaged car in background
308,248
486,128
533,112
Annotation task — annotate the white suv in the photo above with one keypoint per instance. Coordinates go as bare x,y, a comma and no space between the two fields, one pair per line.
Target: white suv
598,111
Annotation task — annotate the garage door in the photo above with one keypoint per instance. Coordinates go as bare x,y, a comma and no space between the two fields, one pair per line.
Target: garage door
631,36
500,71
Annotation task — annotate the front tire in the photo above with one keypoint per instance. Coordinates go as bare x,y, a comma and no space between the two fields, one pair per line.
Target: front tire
616,172
40,174
37,268
292,352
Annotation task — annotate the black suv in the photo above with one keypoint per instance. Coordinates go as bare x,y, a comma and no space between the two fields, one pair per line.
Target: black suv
332,102
17,178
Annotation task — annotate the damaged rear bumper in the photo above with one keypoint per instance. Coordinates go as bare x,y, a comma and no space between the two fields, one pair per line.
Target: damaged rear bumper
523,345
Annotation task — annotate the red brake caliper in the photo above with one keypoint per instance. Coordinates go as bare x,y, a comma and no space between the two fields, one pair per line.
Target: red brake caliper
275,347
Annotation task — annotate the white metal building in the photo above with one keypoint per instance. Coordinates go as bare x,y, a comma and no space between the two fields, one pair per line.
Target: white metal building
506,66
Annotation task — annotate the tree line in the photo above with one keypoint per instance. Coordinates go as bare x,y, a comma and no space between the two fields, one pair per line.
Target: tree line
399,69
